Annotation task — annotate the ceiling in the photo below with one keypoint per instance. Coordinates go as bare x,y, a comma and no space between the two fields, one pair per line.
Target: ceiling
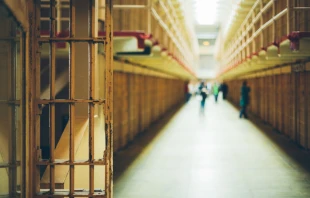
208,30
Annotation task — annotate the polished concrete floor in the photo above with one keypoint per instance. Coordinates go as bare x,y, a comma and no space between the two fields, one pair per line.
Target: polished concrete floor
218,155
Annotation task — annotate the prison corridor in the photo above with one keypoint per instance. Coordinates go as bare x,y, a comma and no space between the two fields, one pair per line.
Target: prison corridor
216,155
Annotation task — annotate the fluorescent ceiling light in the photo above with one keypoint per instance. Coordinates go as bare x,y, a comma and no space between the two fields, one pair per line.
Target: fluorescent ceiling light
206,11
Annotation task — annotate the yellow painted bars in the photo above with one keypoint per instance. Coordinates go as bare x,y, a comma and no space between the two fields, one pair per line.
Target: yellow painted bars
109,99
11,106
72,94
52,77
90,100
265,23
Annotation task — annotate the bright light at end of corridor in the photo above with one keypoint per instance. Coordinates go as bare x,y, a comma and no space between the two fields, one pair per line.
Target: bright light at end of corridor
206,11
206,43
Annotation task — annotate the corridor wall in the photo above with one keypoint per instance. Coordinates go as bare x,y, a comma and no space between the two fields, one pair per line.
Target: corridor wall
140,100
280,97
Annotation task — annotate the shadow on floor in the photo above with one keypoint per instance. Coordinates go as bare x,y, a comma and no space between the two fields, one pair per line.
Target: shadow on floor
291,151
134,148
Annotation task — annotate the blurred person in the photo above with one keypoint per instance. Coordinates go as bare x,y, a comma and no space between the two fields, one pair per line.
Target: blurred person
204,95
188,91
224,89
215,91
244,99
201,86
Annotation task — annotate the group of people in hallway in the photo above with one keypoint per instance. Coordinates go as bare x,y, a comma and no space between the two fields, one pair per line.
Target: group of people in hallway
203,89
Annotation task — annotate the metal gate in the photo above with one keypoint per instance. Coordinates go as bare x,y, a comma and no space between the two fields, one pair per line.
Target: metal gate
71,140
12,142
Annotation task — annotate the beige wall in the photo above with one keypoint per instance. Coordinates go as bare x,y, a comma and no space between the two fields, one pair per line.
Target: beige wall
280,99
139,100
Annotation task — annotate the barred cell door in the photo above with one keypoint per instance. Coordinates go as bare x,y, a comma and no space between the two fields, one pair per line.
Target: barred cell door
12,133
72,141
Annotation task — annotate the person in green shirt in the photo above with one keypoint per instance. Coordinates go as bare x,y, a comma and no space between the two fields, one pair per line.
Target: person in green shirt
215,90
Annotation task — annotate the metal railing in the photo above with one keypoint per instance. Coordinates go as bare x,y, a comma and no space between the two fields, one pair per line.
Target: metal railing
265,24
161,18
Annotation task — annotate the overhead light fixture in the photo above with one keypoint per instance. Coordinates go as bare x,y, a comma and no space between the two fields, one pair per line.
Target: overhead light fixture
206,43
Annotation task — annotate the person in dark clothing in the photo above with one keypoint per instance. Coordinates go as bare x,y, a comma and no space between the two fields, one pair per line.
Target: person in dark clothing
224,89
204,95
187,92
244,99
202,85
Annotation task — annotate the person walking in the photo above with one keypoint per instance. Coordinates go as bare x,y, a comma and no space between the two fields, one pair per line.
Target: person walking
244,99
188,91
204,95
215,90
224,89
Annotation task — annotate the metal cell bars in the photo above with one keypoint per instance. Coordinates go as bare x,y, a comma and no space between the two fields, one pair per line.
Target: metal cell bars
173,26
109,98
248,25
72,101
11,142
62,10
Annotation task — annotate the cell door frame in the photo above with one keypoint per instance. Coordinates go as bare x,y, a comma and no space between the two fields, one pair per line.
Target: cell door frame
36,103
16,67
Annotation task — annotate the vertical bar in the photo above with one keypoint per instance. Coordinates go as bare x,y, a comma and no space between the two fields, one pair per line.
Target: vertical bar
293,20
149,16
246,40
72,93
288,16
35,90
109,98
261,24
273,22
253,31
91,48
13,114
52,93
23,115
305,16
306,109
58,21
29,135
10,108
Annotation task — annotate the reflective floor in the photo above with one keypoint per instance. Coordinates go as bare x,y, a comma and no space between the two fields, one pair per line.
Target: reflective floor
188,155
